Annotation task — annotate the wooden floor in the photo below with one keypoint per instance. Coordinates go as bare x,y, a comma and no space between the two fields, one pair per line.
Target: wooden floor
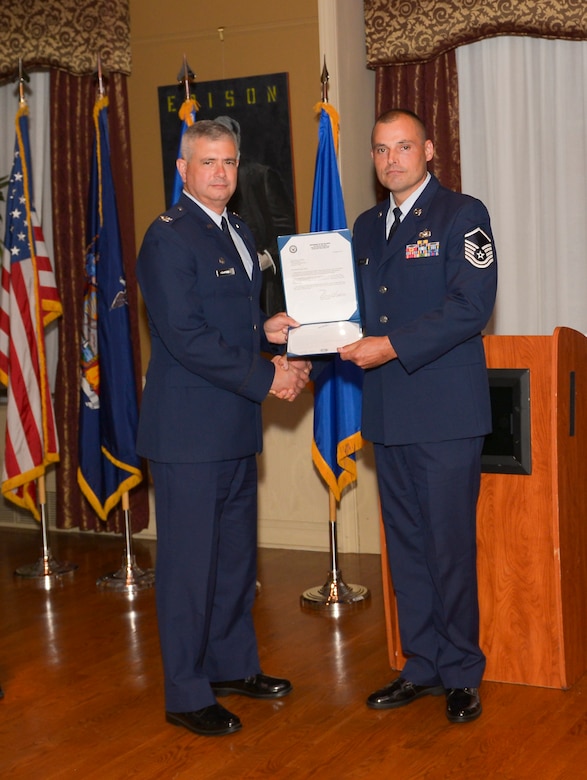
83,689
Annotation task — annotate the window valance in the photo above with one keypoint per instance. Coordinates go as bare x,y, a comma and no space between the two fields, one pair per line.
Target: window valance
65,34
399,32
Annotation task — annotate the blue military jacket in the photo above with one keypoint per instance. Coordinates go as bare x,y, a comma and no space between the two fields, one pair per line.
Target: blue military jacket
206,377
431,291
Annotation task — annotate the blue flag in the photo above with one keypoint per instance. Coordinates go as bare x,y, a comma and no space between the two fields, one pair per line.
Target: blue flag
108,463
338,388
187,114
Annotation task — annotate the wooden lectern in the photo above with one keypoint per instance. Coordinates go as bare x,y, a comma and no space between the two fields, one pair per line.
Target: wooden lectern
532,528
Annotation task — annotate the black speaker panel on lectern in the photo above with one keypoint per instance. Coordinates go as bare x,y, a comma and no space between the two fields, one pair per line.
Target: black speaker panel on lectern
507,449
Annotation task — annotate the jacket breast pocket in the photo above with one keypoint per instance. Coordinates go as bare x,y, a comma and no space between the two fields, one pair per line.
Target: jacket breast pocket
423,262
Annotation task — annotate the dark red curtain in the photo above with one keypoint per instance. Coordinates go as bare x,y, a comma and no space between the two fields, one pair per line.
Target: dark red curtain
72,135
431,90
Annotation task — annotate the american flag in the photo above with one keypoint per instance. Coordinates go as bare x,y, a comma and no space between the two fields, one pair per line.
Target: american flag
28,303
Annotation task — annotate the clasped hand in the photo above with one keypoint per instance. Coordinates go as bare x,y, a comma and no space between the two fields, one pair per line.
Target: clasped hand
291,376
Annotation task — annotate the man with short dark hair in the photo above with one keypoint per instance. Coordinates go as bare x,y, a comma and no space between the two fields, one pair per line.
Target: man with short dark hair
426,269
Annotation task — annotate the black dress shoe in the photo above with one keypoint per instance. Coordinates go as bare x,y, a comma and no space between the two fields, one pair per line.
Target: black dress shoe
212,721
259,686
462,704
399,693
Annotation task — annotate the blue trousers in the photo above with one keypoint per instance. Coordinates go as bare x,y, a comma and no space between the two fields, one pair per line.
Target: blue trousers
205,576
428,497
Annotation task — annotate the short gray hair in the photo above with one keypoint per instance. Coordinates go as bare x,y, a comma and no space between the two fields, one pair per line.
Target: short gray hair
206,128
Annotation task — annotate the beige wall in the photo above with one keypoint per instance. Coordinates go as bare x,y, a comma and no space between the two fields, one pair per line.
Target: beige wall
262,36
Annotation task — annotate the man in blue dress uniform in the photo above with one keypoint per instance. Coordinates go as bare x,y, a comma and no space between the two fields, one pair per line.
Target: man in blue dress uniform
200,427
427,277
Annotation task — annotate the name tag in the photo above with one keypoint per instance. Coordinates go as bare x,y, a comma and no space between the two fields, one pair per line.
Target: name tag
225,272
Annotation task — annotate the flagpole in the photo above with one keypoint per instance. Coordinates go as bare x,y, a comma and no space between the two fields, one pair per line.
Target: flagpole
46,565
118,459
187,77
335,593
129,577
187,114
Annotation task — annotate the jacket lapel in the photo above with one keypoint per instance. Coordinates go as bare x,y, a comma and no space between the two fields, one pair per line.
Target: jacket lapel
412,224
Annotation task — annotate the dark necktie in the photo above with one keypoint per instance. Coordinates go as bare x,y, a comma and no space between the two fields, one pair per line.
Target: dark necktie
248,265
397,212
225,229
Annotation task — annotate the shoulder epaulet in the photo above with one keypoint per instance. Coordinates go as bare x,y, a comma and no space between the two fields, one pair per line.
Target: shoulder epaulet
172,214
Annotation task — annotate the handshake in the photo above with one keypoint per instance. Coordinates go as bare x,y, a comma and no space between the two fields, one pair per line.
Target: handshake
291,376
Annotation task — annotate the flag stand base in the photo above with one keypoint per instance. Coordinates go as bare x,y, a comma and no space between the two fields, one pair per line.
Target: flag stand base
334,593
128,578
46,565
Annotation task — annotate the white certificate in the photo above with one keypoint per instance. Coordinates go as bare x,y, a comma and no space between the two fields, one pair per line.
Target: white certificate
320,291
321,338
